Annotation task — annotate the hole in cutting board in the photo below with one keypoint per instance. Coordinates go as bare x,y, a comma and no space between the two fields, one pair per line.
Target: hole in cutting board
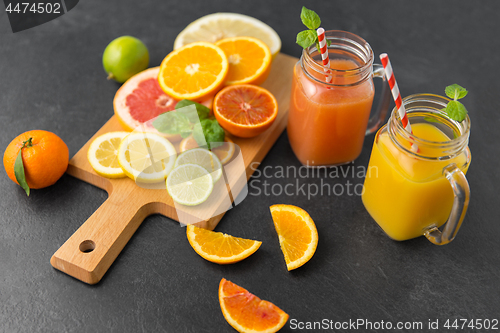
87,246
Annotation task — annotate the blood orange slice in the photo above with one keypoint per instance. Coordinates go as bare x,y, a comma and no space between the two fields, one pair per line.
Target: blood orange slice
248,313
140,100
245,110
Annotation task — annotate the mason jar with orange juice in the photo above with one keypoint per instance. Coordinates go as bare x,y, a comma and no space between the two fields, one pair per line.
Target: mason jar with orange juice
412,192
328,121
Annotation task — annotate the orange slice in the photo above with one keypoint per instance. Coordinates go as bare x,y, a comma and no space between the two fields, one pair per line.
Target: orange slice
248,313
188,143
297,234
193,71
249,60
245,110
224,152
218,247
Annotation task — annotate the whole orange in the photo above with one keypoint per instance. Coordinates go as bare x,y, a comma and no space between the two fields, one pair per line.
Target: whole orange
45,160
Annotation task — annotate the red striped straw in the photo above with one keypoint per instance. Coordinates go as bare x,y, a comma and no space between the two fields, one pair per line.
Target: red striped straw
324,54
396,95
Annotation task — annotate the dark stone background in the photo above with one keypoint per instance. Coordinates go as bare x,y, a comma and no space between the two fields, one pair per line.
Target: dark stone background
51,78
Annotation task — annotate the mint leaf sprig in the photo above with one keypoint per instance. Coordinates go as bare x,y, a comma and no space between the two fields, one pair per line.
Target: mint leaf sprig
309,37
454,109
205,129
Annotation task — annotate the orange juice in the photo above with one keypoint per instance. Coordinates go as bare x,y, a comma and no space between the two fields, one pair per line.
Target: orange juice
327,124
406,194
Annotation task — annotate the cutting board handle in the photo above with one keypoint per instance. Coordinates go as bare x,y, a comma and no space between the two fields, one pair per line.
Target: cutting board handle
91,250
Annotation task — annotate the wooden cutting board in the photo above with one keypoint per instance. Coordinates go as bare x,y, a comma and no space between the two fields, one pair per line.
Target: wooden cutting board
91,250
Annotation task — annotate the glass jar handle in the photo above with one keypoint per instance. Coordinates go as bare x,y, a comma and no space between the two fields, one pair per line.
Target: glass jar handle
461,194
383,106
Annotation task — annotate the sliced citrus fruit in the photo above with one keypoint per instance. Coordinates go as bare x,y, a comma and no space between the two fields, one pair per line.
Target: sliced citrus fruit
218,247
297,234
146,157
204,158
140,100
247,312
188,143
224,152
245,110
103,154
249,60
193,71
214,27
189,184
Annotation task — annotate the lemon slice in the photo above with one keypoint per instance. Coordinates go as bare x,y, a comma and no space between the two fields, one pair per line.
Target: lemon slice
146,157
204,158
103,154
213,27
189,184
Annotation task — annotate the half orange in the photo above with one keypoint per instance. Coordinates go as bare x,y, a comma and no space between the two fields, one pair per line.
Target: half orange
245,110
193,71
248,313
218,247
297,234
249,60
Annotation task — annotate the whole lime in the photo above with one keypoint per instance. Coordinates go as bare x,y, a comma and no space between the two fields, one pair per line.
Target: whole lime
124,57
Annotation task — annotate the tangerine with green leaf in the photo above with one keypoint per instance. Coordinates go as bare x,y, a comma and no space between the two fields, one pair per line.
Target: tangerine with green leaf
44,158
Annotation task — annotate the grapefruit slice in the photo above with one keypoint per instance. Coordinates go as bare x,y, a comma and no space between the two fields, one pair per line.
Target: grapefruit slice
248,313
140,100
245,110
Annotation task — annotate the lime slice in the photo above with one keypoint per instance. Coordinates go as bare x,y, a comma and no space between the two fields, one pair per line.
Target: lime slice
189,184
146,157
103,154
204,158
213,27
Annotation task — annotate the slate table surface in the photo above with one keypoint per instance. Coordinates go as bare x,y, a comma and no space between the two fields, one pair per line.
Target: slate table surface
51,78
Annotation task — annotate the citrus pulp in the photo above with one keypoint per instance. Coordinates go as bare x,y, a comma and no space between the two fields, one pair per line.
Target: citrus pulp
245,110
246,312
140,100
218,247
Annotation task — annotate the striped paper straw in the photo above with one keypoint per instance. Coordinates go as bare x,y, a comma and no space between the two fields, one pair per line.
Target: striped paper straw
396,95
324,54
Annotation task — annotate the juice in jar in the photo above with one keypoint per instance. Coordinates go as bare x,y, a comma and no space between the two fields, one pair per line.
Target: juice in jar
327,123
406,194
